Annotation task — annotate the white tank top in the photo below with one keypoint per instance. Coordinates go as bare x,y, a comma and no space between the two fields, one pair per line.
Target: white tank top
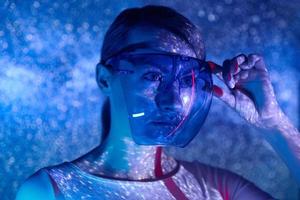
189,181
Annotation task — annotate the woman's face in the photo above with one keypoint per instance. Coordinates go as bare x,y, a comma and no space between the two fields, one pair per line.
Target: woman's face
159,90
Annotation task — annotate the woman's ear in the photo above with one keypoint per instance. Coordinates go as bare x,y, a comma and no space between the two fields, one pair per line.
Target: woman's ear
103,78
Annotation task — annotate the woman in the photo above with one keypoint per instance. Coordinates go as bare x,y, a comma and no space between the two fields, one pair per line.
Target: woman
159,90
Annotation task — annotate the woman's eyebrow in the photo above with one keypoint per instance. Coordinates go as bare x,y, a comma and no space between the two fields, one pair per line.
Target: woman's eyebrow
148,61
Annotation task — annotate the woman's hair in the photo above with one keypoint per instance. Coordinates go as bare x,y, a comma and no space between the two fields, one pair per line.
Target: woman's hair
157,16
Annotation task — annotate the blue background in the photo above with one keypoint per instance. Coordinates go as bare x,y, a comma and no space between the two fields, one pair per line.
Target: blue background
50,105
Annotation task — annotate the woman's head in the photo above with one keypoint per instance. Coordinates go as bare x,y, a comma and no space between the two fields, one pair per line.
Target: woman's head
160,36
162,27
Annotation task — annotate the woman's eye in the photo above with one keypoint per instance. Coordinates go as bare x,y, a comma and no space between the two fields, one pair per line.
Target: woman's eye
124,72
186,81
153,76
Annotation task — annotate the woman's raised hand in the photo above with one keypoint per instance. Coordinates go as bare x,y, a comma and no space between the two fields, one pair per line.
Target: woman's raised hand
248,90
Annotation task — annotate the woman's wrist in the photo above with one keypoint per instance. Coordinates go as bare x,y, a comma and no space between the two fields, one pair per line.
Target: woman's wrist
285,126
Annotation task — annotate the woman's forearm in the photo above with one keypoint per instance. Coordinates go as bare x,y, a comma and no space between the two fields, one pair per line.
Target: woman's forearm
285,140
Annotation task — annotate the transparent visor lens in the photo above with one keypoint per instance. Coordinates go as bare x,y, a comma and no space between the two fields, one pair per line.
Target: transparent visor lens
167,96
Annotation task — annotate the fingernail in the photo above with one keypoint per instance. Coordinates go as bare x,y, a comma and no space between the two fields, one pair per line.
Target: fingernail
231,84
236,66
229,77
240,60
211,65
217,91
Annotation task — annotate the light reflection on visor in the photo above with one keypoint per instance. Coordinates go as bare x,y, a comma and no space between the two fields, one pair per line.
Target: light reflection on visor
168,96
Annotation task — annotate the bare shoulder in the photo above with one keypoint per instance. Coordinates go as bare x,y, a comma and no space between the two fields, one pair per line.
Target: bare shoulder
228,183
36,187
209,172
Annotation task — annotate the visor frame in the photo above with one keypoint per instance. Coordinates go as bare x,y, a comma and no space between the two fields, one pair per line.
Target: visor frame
110,64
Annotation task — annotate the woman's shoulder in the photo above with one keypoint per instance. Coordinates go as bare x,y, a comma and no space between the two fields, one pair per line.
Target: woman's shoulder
225,181
211,174
39,185
206,170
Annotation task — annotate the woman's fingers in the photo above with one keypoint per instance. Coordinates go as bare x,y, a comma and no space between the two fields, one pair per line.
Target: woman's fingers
246,87
215,68
221,92
217,91
228,72
224,94
232,69
243,75
237,69
235,72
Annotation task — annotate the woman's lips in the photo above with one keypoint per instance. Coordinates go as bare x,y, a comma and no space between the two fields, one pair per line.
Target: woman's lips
162,123
167,120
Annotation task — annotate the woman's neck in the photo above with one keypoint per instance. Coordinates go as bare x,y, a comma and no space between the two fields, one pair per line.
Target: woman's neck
123,159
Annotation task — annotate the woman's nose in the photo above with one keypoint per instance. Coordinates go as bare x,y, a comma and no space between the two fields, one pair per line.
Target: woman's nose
168,99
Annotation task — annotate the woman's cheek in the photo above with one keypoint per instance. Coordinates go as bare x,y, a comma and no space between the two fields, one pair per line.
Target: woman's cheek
150,92
186,98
